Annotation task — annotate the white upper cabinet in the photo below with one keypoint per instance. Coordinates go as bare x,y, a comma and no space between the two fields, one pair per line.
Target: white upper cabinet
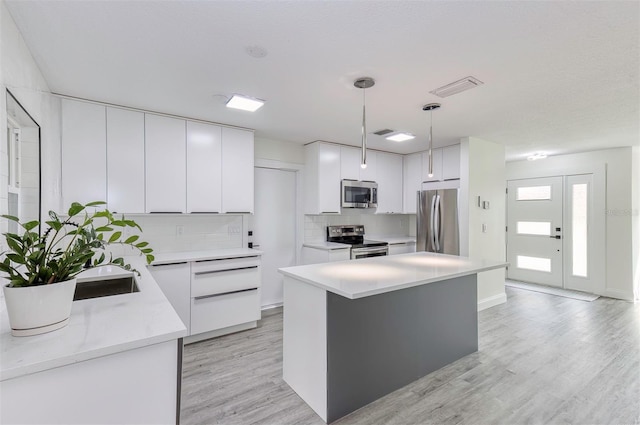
389,178
237,170
84,152
412,178
165,160
451,162
125,160
204,168
322,178
350,164
437,166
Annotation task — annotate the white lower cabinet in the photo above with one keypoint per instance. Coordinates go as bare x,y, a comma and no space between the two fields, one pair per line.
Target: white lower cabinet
173,279
315,255
402,248
213,297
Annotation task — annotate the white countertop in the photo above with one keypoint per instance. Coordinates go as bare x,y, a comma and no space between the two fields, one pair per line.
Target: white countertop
213,254
371,276
97,327
326,246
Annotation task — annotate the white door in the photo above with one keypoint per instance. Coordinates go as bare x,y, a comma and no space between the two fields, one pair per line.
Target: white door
551,232
534,229
274,227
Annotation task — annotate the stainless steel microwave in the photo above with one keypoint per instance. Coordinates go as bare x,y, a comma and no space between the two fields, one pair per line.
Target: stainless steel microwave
359,194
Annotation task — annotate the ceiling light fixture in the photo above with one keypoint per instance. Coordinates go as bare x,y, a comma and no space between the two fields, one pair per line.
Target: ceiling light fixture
364,83
244,103
401,137
430,107
457,86
536,156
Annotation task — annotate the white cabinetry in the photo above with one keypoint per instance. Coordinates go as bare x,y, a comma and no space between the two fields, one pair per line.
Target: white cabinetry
437,166
412,169
237,171
402,248
322,178
315,255
174,280
84,152
204,168
451,162
165,160
125,160
389,178
225,293
350,164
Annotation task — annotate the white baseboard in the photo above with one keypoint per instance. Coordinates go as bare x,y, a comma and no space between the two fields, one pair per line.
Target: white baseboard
492,301
616,293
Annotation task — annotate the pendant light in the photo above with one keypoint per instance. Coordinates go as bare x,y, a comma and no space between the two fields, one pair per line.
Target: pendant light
430,107
364,83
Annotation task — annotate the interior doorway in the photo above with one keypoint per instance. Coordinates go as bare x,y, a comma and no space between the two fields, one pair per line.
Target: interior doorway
551,232
274,227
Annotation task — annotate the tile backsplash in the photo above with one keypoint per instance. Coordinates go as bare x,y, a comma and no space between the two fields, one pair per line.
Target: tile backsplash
374,224
189,232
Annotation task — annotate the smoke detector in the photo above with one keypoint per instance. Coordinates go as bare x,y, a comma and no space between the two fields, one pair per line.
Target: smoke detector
456,87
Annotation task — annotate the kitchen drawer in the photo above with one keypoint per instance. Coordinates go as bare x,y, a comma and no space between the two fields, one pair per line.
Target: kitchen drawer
223,310
219,281
224,263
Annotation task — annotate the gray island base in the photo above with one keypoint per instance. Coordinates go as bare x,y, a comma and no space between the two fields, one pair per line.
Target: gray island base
344,351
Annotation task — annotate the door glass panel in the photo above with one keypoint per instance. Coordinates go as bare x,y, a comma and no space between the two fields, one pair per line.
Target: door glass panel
534,228
533,193
579,228
534,263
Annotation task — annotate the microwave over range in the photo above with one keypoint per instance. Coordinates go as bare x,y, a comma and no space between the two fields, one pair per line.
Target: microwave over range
359,194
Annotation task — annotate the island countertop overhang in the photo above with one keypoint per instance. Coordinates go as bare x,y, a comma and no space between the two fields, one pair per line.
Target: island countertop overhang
378,275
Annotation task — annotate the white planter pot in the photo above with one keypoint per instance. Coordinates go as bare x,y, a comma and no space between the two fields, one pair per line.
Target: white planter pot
35,310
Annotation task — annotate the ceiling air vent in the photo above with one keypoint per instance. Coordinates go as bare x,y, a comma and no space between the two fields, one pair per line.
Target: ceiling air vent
457,87
383,132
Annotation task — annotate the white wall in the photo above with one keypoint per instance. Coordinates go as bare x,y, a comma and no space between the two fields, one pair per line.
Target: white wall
276,150
482,173
20,74
620,212
635,225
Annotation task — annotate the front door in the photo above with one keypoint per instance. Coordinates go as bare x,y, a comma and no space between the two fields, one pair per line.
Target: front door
551,232
534,230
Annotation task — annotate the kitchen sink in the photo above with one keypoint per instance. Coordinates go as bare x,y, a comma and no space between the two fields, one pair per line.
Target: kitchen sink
105,287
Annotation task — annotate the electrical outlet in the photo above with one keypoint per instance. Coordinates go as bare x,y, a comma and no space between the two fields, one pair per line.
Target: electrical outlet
179,230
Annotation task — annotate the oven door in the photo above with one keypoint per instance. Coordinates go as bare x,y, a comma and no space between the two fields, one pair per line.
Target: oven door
377,251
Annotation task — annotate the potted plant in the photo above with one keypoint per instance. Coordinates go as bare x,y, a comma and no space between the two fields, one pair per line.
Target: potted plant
41,268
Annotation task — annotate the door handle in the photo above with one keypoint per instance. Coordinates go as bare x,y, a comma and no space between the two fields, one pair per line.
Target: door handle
556,237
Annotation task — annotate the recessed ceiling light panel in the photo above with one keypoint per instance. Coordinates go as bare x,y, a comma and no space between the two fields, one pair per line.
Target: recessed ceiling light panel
457,87
401,137
244,103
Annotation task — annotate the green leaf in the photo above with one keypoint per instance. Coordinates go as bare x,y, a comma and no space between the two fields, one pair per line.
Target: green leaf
16,258
132,239
104,229
150,258
142,244
31,225
95,203
98,214
100,236
54,216
115,236
146,250
75,209
119,223
55,225
11,217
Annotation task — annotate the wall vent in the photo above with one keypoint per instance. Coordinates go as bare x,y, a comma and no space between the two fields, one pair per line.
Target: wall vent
457,87
383,132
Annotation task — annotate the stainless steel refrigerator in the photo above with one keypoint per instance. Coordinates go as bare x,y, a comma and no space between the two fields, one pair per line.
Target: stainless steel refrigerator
437,221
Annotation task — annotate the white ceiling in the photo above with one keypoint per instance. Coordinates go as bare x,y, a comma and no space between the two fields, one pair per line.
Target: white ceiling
560,76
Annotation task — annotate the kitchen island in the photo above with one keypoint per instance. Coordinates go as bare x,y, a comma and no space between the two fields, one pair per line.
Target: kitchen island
355,331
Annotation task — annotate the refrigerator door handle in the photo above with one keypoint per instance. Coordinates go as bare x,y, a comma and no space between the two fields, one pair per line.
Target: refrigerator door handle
432,240
436,218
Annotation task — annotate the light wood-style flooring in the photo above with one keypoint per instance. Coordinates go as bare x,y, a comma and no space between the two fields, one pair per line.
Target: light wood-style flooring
542,359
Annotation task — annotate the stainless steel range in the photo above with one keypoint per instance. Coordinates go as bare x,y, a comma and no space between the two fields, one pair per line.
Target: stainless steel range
354,236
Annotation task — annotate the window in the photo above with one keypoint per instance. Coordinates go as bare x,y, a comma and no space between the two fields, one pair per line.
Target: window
542,228
579,193
533,193
534,263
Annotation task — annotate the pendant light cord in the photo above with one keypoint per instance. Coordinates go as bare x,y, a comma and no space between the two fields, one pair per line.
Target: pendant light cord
363,163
